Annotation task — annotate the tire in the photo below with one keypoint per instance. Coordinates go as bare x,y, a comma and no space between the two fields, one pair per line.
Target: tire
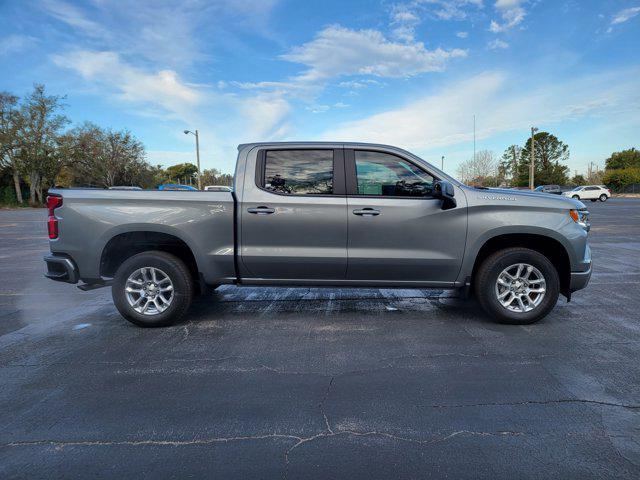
166,302
603,198
576,197
486,285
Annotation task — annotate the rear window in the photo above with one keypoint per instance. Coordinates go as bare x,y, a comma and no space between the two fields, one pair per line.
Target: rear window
299,172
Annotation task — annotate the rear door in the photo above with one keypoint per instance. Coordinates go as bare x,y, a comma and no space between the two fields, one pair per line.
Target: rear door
398,231
591,192
294,215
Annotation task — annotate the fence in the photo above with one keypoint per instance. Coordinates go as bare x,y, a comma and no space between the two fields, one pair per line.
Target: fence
632,188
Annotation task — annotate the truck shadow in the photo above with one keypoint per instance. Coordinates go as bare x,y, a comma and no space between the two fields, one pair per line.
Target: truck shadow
228,302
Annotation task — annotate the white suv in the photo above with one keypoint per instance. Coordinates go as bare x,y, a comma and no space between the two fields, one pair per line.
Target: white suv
589,192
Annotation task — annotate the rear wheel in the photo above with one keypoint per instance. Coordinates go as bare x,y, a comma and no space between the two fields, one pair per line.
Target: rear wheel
517,286
603,198
152,289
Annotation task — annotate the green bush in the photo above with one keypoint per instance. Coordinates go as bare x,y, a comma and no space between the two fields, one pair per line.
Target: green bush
8,196
620,178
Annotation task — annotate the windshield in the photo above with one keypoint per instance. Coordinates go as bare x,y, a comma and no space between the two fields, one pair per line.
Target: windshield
539,189
577,188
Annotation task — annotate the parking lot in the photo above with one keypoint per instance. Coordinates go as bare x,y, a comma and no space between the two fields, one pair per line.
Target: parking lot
320,383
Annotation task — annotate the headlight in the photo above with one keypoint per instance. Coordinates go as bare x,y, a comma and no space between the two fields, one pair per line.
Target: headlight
581,217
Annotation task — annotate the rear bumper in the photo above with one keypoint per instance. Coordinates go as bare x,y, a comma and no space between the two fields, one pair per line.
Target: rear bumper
61,269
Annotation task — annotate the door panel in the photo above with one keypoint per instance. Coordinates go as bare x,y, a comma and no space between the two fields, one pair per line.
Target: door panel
292,232
406,236
410,240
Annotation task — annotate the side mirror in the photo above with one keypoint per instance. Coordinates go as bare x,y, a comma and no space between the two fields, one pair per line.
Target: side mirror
445,191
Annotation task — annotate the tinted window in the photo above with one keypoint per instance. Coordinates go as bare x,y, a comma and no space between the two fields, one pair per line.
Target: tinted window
299,172
387,175
592,188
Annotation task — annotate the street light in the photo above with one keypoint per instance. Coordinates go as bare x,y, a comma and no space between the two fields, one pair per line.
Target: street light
533,149
187,132
442,163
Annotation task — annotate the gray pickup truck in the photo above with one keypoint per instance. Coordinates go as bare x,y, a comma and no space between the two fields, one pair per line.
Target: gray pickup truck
321,214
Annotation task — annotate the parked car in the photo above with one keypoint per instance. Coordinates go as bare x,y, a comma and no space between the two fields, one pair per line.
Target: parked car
589,192
555,189
217,188
176,186
322,214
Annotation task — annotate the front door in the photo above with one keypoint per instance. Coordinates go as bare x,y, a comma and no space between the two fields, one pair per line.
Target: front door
294,216
397,231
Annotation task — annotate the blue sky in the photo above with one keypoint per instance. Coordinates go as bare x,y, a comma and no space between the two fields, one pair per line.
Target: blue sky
408,73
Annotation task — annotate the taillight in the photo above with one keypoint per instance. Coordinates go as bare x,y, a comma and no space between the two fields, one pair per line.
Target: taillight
53,202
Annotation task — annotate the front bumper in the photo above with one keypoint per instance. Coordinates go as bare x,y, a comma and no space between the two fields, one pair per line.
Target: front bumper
579,280
61,268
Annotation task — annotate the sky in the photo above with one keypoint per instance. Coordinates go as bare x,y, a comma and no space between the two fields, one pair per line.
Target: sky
407,73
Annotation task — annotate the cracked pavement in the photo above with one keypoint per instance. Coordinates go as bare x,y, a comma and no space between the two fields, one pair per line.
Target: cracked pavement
320,383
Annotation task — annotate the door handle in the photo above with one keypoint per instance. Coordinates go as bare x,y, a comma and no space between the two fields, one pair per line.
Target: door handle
367,212
261,210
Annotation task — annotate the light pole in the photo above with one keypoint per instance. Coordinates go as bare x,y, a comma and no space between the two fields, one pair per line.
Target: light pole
186,132
533,149
442,163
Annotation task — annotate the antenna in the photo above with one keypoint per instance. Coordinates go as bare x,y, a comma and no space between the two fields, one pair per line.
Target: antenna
474,138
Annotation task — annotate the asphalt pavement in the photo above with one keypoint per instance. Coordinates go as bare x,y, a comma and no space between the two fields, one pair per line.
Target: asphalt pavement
320,383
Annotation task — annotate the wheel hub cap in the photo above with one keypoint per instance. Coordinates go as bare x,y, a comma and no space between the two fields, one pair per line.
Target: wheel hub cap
520,287
149,291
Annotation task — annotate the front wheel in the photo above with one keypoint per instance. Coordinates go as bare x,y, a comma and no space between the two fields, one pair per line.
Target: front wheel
576,197
152,289
517,286
603,198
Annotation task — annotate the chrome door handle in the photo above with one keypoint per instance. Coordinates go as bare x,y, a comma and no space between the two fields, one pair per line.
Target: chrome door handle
367,212
261,210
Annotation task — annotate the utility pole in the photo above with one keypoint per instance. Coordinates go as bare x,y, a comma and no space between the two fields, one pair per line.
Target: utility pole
533,150
442,163
186,132
474,138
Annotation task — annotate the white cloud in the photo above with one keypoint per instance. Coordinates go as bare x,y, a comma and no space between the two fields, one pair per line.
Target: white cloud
263,116
443,117
452,9
462,34
172,33
497,44
15,43
338,51
74,17
512,13
161,89
625,15
357,84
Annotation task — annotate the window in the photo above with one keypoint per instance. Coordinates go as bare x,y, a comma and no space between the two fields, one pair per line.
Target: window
299,172
386,175
592,188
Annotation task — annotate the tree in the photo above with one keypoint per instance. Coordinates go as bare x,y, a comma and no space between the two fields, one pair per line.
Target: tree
621,177
9,145
183,172
39,134
482,170
510,161
625,159
549,152
578,180
104,158
213,176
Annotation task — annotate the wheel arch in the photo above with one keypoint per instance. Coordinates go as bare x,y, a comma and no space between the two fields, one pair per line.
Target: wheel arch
545,244
123,245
